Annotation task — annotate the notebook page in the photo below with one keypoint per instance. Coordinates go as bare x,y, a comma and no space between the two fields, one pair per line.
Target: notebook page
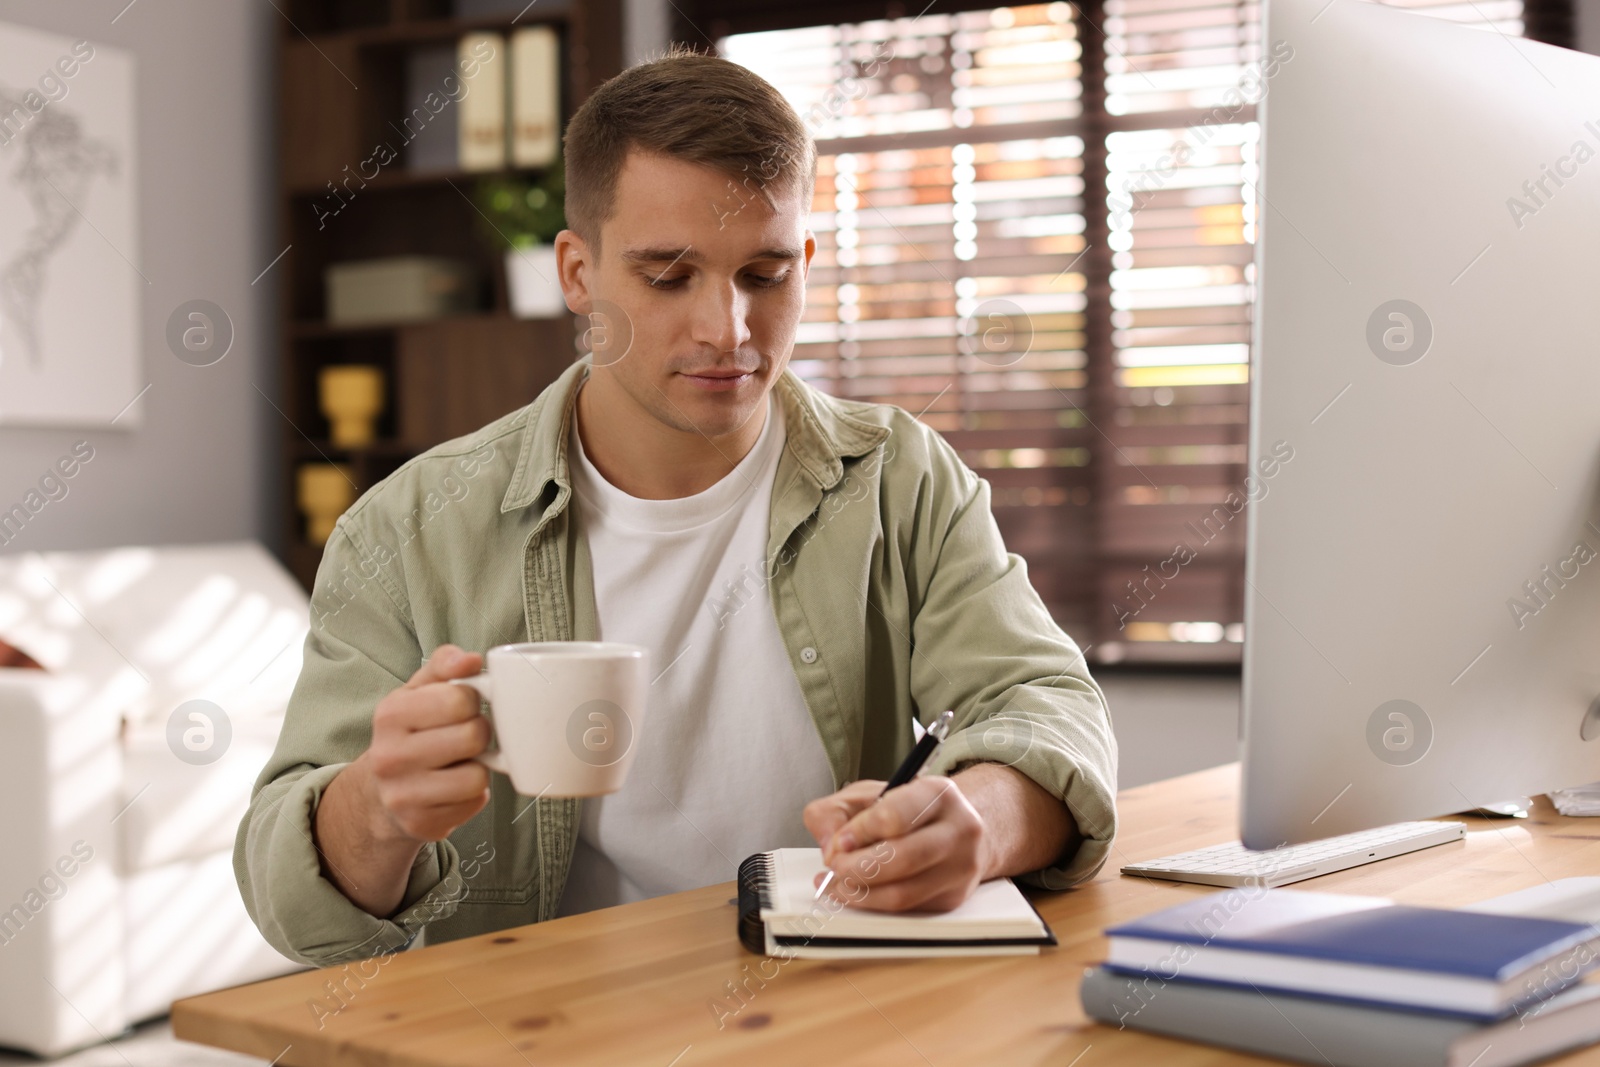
997,909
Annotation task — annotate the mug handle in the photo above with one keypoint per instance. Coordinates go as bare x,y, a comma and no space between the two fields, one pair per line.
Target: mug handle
483,685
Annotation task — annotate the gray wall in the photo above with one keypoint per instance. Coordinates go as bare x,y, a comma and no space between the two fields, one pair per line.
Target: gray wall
1589,25
647,28
202,465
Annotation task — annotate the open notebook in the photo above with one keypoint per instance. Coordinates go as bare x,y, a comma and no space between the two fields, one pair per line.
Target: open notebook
778,917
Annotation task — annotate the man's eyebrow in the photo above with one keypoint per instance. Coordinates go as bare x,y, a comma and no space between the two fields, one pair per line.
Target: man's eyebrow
660,255
689,255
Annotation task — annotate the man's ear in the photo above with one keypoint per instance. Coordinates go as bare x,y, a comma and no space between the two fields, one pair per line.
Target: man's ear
574,261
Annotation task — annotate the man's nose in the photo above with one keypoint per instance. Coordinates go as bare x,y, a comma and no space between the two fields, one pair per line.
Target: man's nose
719,317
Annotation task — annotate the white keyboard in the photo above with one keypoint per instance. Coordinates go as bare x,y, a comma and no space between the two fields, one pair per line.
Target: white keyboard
1234,865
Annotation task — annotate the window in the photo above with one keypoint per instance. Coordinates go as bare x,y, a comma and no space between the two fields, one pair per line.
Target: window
1009,248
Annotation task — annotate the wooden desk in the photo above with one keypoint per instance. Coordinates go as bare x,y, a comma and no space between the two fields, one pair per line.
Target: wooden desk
636,984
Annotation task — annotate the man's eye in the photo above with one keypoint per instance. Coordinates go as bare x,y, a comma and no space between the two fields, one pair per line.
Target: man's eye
660,282
768,281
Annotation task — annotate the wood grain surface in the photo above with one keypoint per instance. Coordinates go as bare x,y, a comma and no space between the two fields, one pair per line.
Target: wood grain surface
664,983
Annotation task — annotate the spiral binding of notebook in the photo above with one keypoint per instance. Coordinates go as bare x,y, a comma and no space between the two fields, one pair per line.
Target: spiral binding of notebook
755,893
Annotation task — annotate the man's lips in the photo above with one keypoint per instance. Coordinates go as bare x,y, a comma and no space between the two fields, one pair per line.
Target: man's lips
719,380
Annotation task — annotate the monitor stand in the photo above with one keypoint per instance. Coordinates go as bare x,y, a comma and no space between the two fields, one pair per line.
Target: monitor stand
1515,808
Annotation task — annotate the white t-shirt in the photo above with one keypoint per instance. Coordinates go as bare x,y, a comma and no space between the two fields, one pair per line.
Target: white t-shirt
728,753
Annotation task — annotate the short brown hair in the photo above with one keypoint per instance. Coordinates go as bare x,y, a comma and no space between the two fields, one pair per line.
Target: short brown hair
690,106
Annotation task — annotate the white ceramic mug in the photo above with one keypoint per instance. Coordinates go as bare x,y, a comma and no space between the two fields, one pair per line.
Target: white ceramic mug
566,714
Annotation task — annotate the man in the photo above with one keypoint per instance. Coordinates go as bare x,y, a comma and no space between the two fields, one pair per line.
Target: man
809,574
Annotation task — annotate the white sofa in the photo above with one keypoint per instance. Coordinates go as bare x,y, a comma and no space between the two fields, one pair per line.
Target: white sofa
117,892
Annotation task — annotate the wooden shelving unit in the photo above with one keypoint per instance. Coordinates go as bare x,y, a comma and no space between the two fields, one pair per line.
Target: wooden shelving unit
341,69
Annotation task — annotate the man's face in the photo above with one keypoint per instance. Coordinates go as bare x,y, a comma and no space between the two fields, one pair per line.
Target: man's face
695,294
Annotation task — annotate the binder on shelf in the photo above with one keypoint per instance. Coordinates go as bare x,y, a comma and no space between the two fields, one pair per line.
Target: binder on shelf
482,143
535,96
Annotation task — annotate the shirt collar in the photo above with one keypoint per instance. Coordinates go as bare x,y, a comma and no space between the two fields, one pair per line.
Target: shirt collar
822,434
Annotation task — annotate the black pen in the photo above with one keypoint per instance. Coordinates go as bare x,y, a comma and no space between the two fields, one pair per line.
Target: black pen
909,767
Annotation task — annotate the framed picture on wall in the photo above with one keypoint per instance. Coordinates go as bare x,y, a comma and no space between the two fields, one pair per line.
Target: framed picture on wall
70,280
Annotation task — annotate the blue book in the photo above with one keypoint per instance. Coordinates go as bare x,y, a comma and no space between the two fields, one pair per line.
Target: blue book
1361,949
1324,1032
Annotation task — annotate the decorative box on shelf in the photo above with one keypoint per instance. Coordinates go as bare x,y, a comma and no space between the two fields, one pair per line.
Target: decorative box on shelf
399,289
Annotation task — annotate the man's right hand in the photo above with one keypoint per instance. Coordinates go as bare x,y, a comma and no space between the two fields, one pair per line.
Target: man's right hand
415,783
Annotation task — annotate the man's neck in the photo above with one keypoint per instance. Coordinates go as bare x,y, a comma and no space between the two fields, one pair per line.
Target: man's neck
644,457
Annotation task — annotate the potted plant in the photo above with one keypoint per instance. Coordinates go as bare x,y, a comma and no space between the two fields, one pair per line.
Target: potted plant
525,214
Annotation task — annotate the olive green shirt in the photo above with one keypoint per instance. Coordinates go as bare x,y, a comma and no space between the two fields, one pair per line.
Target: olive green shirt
893,592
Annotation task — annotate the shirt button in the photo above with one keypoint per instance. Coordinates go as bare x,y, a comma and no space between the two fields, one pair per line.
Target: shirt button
808,654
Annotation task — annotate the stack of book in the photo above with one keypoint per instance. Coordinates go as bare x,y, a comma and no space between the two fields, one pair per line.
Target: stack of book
1352,981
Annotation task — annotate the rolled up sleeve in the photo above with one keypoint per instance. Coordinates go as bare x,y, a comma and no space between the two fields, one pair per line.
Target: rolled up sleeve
987,647
304,915
359,649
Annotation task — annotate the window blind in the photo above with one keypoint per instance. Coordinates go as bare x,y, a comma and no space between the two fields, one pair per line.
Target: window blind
1035,230
949,213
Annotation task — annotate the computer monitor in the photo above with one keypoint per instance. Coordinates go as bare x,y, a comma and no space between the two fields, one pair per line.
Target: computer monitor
1422,622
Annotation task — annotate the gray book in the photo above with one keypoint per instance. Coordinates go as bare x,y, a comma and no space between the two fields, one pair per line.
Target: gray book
430,126
1314,1030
